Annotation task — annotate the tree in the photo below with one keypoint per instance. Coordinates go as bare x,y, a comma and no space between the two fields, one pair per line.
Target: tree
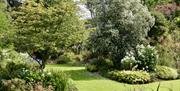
91,6
160,28
4,23
46,29
121,26
153,3
5,26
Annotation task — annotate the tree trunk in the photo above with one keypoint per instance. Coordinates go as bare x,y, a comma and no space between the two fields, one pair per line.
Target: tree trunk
43,65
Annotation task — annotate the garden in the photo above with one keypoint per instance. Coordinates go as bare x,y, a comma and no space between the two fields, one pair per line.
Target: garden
116,45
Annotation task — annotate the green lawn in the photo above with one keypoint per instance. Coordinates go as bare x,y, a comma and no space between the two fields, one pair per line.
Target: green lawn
86,81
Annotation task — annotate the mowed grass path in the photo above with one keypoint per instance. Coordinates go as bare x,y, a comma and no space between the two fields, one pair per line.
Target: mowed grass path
86,81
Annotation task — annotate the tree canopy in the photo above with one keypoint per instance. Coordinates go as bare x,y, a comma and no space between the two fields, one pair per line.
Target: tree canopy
121,26
45,29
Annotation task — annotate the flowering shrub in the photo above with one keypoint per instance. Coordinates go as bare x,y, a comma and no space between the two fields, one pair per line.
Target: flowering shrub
147,57
128,62
131,77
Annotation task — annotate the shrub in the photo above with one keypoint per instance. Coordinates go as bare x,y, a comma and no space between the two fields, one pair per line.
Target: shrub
178,76
177,21
146,58
4,21
61,82
178,70
102,64
128,62
131,77
18,74
166,73
23,78
154,76
177,1
91,68
11,56
67,57
12,62
13,70
160,28
166,54
15,85
152,3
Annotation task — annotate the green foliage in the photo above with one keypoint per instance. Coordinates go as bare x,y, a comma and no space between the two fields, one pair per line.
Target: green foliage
86,81
11,56
67,57
131,77
177,21
12,63
128,62
147,58
27,78
14,85
91,68
5,26
44,31
152,3
166,56
120,28
177,1
160,28
167,73
19,72
102,64
62,83
4,22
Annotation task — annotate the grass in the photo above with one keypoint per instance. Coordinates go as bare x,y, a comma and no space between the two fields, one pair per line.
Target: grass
86,81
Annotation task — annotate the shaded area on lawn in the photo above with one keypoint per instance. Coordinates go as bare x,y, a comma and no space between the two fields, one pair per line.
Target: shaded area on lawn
82,75
76,73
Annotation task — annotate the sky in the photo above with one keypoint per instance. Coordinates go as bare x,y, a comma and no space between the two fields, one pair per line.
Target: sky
84,12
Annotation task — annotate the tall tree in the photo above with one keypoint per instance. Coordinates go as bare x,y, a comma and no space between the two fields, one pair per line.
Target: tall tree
121,26
45,29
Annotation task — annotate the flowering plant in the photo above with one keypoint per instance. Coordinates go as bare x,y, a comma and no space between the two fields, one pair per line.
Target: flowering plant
128,62
147,57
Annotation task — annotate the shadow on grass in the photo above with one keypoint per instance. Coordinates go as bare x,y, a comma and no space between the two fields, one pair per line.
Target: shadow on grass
64,65
82,74
76,73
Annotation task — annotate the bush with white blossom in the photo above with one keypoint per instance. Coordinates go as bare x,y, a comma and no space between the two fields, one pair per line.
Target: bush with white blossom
145,59
128,62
